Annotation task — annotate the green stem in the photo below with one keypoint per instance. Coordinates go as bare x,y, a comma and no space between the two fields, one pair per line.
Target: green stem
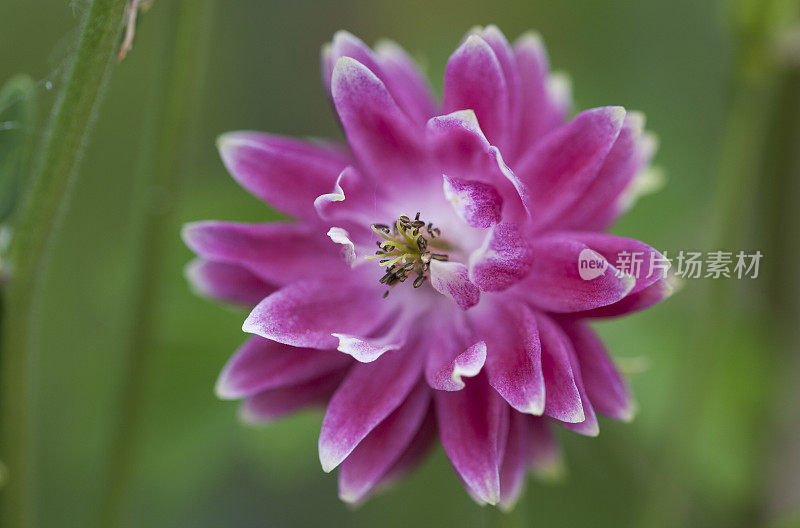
175,89
35,231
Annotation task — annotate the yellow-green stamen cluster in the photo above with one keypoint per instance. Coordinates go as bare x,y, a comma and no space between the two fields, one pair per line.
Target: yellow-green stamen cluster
404,250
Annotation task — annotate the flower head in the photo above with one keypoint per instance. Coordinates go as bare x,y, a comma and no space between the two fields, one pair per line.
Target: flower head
430,285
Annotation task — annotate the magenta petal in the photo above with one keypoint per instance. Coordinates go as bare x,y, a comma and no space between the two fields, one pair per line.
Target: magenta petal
504,259
451,279
515,462
542,110
562,396
307,313
462,151
419,446
604,384
545,454
473,424
622,252
271,404
478,204
391,65
630,153
365,398
474,80
564,163
589,426
384,140
353,198
383,446
646,298
408,86
227,282
261,364
367,349
446,364
279,253
514,358
555,283
286,173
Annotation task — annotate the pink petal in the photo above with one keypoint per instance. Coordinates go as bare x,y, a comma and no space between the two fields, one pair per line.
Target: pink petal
541,111
269,405
545,454
505,57
367,349
565,162
227,282
409,86
630,153
514,357
278,253
473,424
504,259
604,384
451,279
555,283
416,451
515,462
385,141
620,251
447,363
562,396
382,447
307,313
353,198
391,65
646,298
286,173
589,426
365,398
474,80
260,364
463,152
478,204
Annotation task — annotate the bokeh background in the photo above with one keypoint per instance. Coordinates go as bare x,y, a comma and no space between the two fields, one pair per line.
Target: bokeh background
714,368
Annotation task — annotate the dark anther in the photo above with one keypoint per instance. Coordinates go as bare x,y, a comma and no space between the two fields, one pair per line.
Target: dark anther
419,280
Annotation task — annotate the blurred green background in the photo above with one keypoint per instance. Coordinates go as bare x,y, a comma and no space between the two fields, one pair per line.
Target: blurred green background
716,441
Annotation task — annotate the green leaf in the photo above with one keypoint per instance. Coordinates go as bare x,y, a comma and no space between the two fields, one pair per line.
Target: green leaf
16,124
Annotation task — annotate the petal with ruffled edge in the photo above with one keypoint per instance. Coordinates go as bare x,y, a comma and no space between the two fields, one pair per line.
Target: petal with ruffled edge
365,398
384,140
544,105
514,356
564,163
473,425
474,80
279,253
477,203
272,404
354,199
227,282
555,284
515,462
607,389
451,279
286,173
261,364
447,362
308,313
562,395
504,259
383,446
462,151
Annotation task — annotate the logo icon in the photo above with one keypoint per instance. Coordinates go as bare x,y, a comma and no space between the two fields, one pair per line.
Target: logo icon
591,264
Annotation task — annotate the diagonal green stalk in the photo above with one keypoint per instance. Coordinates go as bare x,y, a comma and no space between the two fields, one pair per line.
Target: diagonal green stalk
173,105
34,232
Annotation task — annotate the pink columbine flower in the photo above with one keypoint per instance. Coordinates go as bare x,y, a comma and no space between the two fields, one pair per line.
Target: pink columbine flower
430,285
